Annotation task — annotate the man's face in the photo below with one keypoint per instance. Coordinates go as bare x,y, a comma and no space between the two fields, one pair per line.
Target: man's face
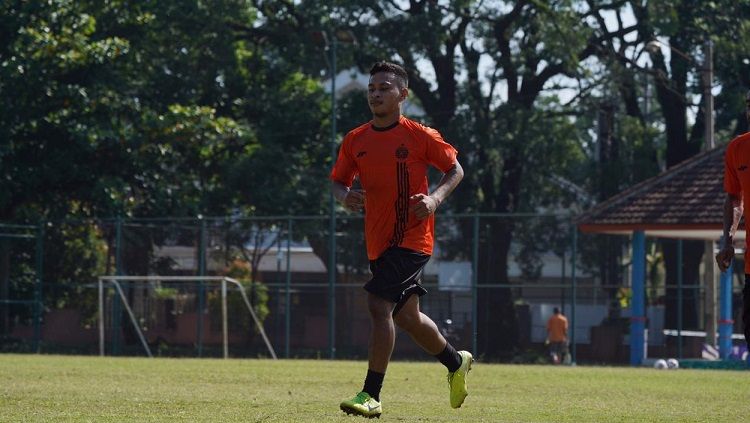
384,94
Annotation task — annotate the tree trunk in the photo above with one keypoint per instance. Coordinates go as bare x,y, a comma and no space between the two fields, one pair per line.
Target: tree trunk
497,326
609,249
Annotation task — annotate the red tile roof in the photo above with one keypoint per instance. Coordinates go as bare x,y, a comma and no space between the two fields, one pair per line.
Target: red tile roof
689,196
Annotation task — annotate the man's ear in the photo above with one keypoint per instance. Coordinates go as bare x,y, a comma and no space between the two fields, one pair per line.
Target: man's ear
404,94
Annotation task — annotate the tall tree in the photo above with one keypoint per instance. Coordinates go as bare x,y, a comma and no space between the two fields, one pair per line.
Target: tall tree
685,27
156,109
486,74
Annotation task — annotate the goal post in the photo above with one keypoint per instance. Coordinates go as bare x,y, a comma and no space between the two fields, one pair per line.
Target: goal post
222,280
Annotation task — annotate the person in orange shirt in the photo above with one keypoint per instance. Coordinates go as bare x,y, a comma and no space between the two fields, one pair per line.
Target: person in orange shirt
737,187
557,336
391,155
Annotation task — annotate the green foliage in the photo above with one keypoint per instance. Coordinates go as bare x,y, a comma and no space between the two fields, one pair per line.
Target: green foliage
123,109
165,293
655,273
21,277
257,293
185,161
139,114
539,235
180,108
53,70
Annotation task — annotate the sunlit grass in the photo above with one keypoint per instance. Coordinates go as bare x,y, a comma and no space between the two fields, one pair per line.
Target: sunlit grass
67,388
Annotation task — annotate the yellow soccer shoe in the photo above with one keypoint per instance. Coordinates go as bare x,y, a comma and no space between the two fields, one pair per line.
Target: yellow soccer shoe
457,380
362,405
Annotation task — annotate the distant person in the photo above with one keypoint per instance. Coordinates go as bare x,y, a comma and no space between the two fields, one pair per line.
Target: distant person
737,187
557,336
391,155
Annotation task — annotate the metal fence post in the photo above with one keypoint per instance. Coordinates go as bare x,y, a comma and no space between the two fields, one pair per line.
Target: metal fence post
224,319
562,281
38,290
287,292
101,316
574,294
474,280
201,286
637,304
116,306
679,298
332,205
332,287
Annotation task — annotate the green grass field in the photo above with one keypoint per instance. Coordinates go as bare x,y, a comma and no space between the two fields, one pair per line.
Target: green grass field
72,388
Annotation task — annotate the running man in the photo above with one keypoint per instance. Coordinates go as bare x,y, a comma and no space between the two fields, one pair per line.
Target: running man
557,336
390,155
737,187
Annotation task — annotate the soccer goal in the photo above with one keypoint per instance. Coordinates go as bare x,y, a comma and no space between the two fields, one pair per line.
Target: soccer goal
169,286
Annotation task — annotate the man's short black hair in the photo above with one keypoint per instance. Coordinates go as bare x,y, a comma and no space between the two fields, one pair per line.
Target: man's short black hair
393,68
556,310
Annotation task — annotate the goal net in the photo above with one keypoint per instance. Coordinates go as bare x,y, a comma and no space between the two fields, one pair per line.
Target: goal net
177,310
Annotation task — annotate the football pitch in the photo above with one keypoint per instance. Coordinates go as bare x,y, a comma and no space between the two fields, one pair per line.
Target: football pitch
96,389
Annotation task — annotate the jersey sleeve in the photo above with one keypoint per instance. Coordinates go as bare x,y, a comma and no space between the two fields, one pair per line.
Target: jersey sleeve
439,153
731,181
345,168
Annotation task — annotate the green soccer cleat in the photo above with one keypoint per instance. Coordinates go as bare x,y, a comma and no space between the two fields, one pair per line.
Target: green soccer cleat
362,405
457,380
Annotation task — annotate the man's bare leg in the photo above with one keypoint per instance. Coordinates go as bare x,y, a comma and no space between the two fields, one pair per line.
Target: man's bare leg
420,327
382,333
427,335
382,338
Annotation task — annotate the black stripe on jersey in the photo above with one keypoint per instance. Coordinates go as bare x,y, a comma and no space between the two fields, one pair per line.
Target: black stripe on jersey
402,204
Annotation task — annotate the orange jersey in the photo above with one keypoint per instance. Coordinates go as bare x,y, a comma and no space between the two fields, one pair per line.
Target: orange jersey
737,178
557,328
391,164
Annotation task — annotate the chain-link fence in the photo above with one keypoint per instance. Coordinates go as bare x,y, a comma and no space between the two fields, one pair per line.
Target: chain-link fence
493,282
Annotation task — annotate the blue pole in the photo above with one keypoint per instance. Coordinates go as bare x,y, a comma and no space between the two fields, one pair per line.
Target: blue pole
638,305
725,314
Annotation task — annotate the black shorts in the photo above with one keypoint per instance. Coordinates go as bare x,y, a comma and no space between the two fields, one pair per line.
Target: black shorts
396,275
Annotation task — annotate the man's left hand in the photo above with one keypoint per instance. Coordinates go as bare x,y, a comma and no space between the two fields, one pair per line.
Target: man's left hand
424,206
725,256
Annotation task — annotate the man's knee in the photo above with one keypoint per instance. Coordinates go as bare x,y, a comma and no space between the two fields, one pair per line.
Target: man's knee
406,319
409,316
380,309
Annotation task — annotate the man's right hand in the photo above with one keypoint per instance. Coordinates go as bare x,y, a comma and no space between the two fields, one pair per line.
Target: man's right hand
355,200
724,257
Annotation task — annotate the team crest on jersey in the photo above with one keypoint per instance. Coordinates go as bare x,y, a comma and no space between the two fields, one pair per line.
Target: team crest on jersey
402,152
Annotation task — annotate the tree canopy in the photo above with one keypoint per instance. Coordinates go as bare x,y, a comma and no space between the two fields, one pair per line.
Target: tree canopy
181,108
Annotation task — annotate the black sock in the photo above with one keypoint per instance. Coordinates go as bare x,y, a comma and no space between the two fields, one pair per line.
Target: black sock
450,358
373,383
